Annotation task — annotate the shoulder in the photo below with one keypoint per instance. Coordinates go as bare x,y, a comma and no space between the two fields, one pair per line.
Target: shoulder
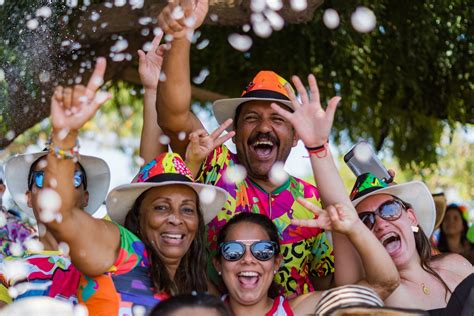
453,265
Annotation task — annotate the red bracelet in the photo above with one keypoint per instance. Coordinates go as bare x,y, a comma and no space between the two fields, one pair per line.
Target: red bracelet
319,151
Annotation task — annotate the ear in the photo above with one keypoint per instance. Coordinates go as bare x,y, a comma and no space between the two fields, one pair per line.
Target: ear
28,199
278,261
295,138
217,264
412,217
85,199
2,189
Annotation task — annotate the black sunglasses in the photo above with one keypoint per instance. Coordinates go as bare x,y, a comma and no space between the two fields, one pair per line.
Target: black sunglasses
262,250
389,211
37,177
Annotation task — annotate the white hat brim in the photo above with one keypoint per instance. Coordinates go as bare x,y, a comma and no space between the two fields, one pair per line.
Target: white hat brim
417,194
121,199
225,108
16,177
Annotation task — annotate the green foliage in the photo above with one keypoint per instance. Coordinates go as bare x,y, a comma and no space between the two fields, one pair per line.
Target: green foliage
399,83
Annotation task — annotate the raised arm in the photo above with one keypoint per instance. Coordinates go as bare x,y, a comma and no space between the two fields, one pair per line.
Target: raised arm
93,243
149,68
174,93
313,124
382,275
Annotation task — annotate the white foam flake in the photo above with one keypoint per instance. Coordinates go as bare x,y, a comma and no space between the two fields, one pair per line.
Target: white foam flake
207,195
145,20
299,5
139,161
203,44
246,28
202,76
147,47
278,175
257,5
71,3
177,13
14,270
164,139
363,152
63,248
33,245
182,135
136,4
262,29
235,174
41,230
2,75
120,3
49,202
16,249
119,46
32,24
276,21
44,76
10,135
331,19
240,42
95,16
363,20
139,310
275,5
44,12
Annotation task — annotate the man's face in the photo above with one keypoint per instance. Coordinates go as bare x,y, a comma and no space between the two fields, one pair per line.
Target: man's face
81,196
262,138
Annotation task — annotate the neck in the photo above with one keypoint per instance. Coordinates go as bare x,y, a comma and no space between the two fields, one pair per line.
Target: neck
265,184
454,242
172,266
48,241
259,308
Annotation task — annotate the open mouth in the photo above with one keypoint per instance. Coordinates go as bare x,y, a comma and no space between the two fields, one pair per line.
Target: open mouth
248,279
172,238
391,242
263,148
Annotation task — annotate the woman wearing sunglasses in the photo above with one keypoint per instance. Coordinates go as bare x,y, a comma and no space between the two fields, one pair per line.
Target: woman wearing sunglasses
402,217
249,257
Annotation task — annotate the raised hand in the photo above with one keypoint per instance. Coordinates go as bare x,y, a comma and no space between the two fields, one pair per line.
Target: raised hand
72,107
311,122
181,16
338,218
149,64
201,144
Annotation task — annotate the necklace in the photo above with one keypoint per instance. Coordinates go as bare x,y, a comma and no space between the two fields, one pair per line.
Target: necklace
425,289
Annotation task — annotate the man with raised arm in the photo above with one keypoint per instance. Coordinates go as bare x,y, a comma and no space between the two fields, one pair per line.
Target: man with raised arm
263,137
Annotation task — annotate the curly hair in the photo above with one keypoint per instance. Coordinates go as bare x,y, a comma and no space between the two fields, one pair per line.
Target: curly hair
189,276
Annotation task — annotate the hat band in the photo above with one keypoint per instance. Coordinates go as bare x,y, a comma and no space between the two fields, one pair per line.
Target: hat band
265,94
166,177
365,192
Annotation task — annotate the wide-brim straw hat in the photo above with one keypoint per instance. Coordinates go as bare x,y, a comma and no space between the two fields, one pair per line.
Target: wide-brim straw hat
265,86
18,167
165,169
415,193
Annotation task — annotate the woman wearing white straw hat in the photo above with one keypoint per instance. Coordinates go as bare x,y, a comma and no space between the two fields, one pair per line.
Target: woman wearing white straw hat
160,249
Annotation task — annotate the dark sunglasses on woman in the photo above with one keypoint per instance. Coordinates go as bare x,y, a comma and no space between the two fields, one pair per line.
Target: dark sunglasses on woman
37,177
262,250
390,211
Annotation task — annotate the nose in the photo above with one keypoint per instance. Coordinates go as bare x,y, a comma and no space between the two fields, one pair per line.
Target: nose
248,258
265,126
380,223
175,219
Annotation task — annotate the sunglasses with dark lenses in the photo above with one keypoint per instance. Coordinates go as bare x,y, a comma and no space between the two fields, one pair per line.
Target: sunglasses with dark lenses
389,211
262,250
37,178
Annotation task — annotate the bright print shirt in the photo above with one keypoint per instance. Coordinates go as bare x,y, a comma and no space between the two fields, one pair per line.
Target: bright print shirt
47,273
126,285
16,230
306,251
280,307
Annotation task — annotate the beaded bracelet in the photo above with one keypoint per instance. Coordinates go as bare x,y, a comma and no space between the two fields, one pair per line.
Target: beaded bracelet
71,153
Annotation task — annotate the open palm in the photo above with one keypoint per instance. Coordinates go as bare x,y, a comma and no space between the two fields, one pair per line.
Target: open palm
71,108
311,122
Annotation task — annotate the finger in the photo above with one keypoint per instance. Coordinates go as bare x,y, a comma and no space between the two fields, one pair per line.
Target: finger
292,96
97,78
391,172
332,212
100,98
162,49
283,112
58,95
187,7
141,56
310,206
221,140
332,106
67,98
218,131
78,97
301,89
306,223
156,41
313,88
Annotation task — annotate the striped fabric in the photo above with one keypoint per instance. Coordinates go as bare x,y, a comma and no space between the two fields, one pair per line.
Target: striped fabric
347,296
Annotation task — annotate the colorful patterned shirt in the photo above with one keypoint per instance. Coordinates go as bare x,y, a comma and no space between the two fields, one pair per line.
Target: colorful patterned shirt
46,273
306,251
17,230
280,307
127,284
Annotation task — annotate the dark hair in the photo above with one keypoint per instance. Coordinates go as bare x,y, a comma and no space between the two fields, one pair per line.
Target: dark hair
32,168
266,224
190,275
423,247
204,300
443,242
